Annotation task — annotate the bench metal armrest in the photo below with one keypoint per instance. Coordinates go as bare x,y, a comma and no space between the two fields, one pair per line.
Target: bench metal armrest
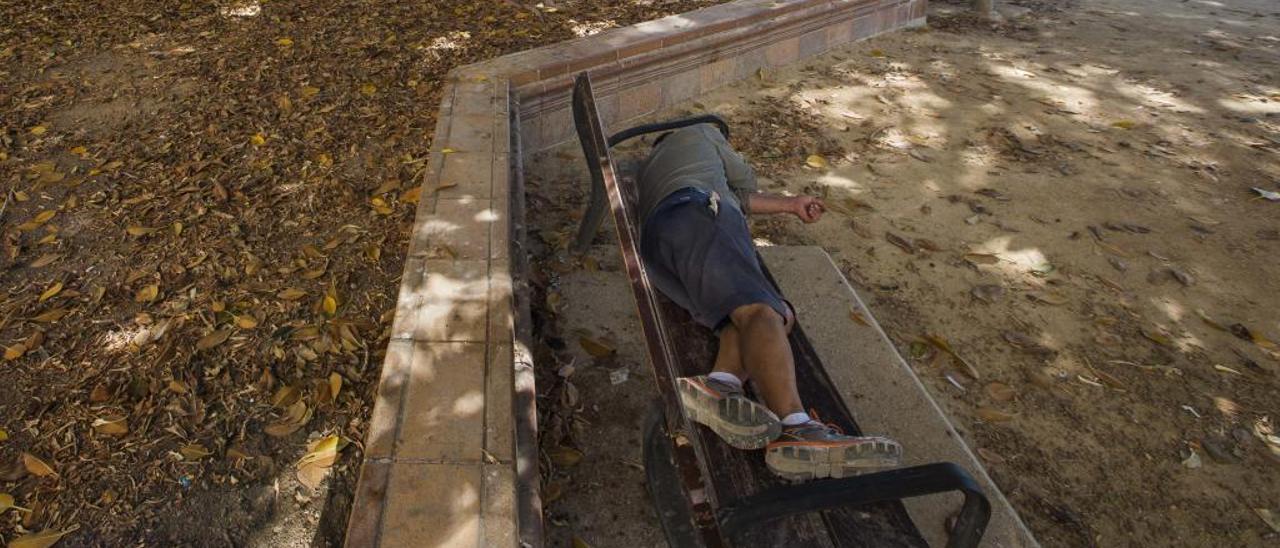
889,485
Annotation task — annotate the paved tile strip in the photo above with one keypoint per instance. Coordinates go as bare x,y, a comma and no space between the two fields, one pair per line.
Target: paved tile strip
450,456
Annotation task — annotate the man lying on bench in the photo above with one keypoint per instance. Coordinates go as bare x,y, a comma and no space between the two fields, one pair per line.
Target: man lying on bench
697,249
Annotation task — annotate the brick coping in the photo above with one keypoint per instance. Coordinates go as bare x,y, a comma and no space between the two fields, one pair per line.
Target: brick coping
450,457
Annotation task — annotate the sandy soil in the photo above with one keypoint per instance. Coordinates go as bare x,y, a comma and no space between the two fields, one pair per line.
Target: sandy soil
1066,201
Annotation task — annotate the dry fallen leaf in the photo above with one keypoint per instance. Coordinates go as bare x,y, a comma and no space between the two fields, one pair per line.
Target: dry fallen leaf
194,451
138,230
988,414
37,467
291,294
111,426
335,385
1047,298
51,316
315,464
296,416
213,339
858,318
816,162
14,352
594,347
6,502
42,539
147,294
246,322
564,457
1000,392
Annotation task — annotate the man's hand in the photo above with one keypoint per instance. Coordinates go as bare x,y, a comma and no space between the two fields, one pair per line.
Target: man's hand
808,208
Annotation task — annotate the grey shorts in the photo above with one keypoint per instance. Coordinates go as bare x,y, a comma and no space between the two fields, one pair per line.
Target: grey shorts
704,261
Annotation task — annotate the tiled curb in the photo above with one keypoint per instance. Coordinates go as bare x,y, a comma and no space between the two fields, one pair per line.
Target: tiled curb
451,457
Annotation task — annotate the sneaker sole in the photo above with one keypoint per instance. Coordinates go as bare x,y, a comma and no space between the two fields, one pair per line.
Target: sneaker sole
740,422
803,462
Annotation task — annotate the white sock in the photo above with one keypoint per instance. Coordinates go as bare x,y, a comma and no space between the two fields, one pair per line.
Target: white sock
727,378
795,419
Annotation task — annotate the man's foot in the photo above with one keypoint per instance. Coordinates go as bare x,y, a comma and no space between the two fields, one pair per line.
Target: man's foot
727,411
814,450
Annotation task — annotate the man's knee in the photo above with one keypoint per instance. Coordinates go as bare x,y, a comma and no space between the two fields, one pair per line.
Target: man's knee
760,312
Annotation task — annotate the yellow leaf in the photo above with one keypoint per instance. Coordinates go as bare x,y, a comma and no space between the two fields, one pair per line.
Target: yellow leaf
79,151
51,292
194,451
14,352
330,305
139,230
217,306
39,130
816,162
335,385
315,465
177,228
44,216
43,539
284,42
448,150
1123,124
246,322
213,339
309,92
373,252
111,426
258,139
21,196
37,467
6,502
147,294
876,53
3,435
411,196
324,160
291,294
368,89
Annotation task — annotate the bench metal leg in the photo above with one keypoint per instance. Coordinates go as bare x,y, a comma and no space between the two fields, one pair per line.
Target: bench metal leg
663,481
889,485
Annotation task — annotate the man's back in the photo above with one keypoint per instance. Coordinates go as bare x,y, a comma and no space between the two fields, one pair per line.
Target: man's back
698,157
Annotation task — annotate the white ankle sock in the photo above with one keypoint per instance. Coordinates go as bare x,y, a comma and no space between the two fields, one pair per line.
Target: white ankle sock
796,419
728,378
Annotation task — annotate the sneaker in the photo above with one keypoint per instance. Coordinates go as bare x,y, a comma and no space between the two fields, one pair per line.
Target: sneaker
727,411
815,450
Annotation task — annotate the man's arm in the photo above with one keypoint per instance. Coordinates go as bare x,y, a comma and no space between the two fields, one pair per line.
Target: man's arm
807,208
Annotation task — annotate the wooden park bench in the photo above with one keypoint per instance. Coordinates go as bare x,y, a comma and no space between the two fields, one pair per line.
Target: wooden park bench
707,493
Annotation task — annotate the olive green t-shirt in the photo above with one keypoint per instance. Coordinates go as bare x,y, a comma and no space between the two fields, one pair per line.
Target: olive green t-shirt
699,157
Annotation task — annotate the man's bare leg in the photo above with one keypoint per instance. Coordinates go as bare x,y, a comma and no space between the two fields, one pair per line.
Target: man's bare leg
729,357
766,356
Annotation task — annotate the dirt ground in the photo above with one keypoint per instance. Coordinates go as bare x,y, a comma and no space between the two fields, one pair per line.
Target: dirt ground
205,212
1065,200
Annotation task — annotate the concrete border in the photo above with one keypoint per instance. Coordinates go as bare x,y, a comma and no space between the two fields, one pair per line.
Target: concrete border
883,392
450,457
